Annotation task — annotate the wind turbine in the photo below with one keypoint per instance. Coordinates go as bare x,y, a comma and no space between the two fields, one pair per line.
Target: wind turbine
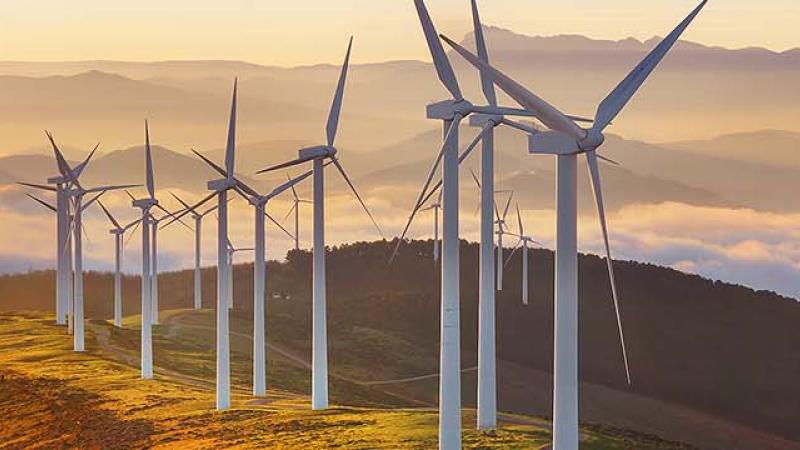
435,207
567,140
155,221
67,176
501,225
232,251
524,242
318,154
119,233
74,196
259,203
77,194
452,112
146,204
296,201
198,226
220,189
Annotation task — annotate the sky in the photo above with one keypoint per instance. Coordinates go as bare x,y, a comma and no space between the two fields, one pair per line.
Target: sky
287,33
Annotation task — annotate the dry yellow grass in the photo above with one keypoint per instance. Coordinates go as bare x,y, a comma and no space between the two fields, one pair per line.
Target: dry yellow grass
51,397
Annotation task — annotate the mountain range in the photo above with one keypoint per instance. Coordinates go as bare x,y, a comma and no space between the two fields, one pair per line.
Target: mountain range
647,174
697,94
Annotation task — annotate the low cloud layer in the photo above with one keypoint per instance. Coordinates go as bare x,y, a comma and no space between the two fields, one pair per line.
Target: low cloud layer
760,250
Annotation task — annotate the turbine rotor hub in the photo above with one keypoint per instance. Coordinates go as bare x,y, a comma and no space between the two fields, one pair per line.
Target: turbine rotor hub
592,141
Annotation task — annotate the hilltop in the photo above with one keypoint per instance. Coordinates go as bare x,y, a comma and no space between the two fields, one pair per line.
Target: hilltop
687,337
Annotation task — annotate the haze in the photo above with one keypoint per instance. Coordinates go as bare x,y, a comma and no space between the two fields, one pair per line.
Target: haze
270,32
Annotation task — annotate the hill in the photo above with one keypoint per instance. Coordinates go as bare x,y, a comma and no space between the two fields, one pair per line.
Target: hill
772,147
713,364
52,396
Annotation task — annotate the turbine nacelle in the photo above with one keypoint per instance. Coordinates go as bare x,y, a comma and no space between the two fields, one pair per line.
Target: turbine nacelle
448,109
316,152
222,184
58,180
481,120
145,203
557,143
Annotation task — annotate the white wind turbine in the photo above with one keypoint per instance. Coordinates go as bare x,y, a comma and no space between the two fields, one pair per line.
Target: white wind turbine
567,140
435,207
63,247
524,242
155,222
220,189
501,231
198,216
232,251
62,183
296,202
146,204
77,194
119,234
259,203
452,112
318,154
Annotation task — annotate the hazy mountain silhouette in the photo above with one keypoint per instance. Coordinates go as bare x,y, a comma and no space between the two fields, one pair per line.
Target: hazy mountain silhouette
698,92
648,173
773,147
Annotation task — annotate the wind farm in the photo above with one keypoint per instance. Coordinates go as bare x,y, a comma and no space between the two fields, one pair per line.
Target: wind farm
378,308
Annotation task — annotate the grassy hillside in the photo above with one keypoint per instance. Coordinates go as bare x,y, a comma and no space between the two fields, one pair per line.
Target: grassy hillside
52,397
713,364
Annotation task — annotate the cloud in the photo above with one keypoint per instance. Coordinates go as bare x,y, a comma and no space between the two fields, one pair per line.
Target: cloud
757,249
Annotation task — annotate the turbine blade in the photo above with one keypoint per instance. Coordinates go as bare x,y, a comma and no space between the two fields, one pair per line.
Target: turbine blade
151,185
475,178
202,202
230,149
608,160
291,210
38,186
358,196
213,165
480,44
619,97
128,226
85,234
443,68
513,251
173,216
545,112
520,126
186,206
519,222
63,166
80,167
284,165
594,172
135,227
275,222
289,184
508,205
110,188
42,202
108,214
461,159
94,199
336,107
294,191
452,131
